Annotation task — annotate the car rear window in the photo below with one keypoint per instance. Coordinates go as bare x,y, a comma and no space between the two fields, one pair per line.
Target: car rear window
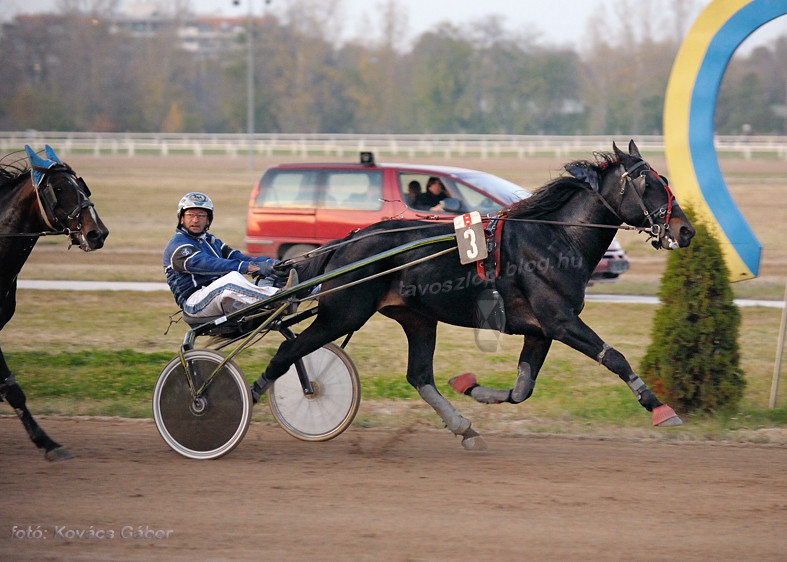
287,188
346,189
334,189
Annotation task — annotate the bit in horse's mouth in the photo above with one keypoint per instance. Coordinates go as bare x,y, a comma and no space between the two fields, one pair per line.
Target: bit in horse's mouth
82,243
666,242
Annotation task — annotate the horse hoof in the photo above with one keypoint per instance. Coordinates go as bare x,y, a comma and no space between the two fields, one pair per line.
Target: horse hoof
462,383
58,454
664,416
472,441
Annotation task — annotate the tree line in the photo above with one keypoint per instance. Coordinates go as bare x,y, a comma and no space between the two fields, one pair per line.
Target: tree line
75,71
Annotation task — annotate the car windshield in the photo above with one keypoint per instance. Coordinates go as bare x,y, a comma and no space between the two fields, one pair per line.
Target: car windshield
503,190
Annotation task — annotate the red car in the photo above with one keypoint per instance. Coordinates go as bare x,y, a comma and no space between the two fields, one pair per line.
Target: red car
298,207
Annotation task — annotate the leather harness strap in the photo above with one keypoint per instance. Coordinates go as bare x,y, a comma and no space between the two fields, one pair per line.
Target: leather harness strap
489,268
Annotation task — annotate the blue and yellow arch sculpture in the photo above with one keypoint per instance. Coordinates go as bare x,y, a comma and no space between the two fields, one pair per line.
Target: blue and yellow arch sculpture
688,123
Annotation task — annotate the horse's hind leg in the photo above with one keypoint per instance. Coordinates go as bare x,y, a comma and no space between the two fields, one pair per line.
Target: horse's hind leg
471,439
289,351
12,393
325,328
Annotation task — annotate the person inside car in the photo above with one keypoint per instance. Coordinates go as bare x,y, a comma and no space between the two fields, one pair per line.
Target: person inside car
413,191
205,275
430,199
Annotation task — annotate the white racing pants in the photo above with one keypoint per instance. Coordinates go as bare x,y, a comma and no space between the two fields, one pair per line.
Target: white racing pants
225,295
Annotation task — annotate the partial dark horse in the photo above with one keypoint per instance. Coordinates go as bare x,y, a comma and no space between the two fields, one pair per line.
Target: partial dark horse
549,245
38,196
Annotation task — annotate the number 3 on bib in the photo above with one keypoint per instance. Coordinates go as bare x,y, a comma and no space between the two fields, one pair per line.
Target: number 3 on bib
470,237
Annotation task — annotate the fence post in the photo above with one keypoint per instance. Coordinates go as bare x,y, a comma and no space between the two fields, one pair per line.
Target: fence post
777,367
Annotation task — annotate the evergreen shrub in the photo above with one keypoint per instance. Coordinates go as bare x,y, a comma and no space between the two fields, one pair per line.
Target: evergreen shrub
692,362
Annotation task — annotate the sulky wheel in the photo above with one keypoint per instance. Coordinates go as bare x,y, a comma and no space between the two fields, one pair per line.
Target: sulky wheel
331,409
208,426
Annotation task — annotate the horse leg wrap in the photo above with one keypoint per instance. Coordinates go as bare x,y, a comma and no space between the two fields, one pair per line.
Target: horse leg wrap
637,386
489,395
452,419
644,396
468,385
522,390
524,384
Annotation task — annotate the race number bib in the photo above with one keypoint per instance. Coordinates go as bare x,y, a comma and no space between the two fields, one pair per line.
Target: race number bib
470,237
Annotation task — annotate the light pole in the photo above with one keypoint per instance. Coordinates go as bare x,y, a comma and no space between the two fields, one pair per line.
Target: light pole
250,75
250,85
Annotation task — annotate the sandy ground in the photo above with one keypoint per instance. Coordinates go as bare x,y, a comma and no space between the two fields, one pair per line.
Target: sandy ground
410,493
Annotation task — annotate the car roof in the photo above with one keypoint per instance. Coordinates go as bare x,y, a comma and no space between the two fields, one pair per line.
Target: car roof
357,166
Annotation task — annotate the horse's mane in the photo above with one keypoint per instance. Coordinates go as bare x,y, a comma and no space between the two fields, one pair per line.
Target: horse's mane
554,195
12,167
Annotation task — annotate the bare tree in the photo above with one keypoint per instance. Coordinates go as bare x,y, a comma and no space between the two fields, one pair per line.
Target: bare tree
315,18
88,7
681,13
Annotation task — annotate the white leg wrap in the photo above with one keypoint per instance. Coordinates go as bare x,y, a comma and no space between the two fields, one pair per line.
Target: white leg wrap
489,395
453,420
522,389
637,386
524,384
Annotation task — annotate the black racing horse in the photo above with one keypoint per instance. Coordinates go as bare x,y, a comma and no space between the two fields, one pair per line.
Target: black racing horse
549,245
38,196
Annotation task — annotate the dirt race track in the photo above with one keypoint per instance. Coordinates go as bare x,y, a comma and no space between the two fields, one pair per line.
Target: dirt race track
385,494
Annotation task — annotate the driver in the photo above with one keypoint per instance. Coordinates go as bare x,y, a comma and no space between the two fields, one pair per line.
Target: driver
203,273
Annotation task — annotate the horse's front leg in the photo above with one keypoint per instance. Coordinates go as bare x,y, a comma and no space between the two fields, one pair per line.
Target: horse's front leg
531,358
579,336
12,393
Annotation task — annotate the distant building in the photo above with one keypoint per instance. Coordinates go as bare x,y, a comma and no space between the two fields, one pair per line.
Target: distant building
207,35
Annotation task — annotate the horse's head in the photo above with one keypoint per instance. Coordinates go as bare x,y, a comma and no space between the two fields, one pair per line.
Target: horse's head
646,200
64,201
639,196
